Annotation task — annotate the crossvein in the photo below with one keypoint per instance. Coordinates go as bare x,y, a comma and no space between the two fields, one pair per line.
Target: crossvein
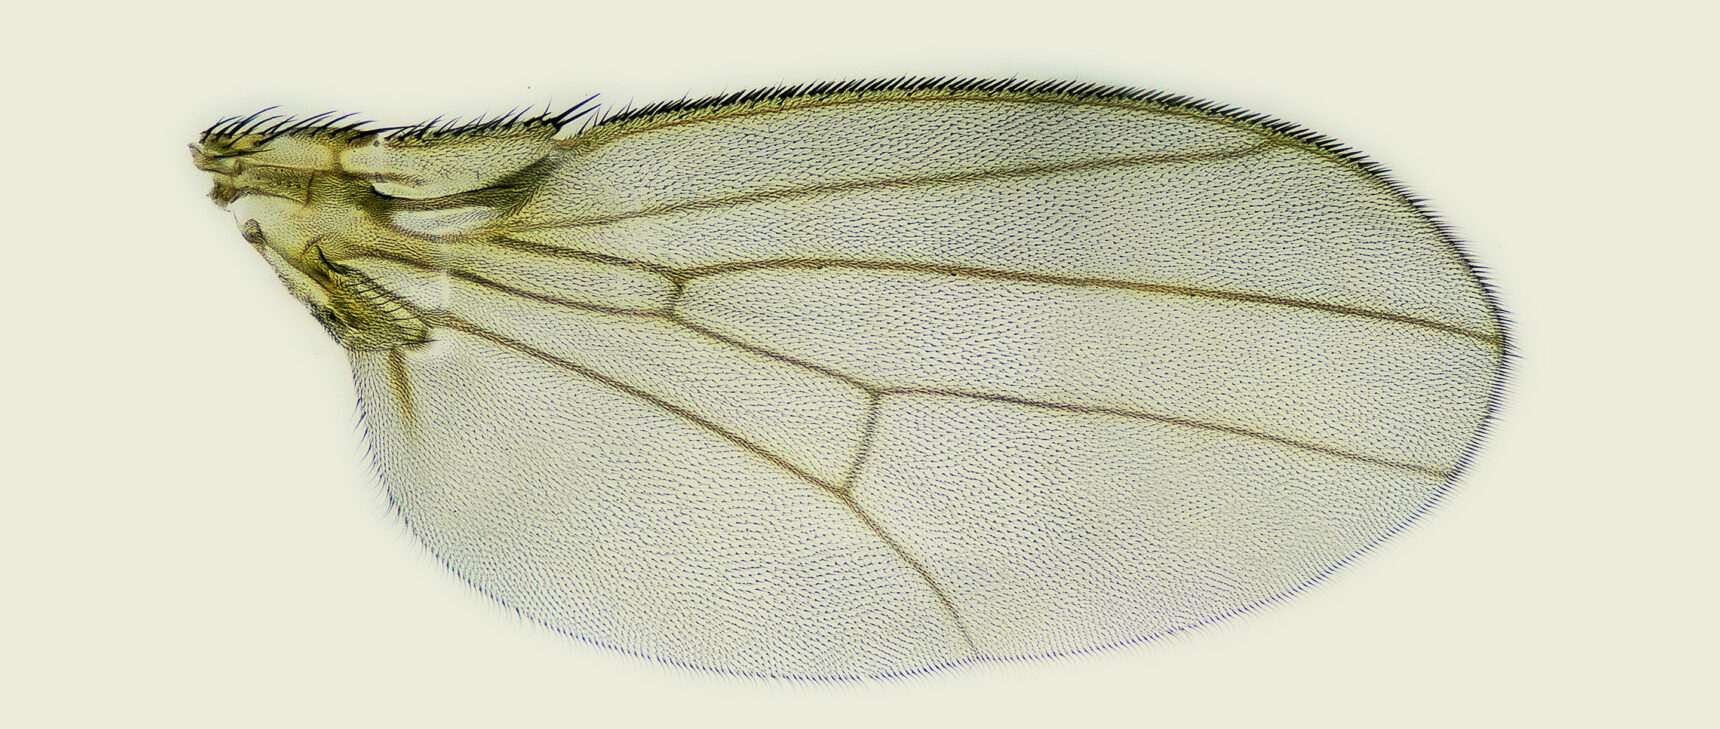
838,491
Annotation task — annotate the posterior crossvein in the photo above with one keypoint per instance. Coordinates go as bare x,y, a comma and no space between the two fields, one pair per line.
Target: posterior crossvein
835,490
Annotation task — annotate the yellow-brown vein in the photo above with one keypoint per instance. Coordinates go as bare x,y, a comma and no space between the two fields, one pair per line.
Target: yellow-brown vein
501,238
683,274
402,384
949,178
835,490
494,285
877,391
1088,282
1440,474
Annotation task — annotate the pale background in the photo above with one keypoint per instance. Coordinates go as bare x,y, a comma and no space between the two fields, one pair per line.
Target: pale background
191,539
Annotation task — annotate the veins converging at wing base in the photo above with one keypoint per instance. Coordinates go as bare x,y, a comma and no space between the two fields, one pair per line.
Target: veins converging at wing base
839,489
506,235
419,250
875,390
513,234
620,258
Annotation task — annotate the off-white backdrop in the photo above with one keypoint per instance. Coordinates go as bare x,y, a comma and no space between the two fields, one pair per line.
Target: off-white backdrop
191,539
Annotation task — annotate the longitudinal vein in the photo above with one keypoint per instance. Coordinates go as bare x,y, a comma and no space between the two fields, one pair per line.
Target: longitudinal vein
681,275
879,390
1092,282
906,181
838,491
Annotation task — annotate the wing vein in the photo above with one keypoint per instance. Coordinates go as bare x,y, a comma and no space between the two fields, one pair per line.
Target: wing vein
877,390
1028,170
835,490
1441,474
1087,282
